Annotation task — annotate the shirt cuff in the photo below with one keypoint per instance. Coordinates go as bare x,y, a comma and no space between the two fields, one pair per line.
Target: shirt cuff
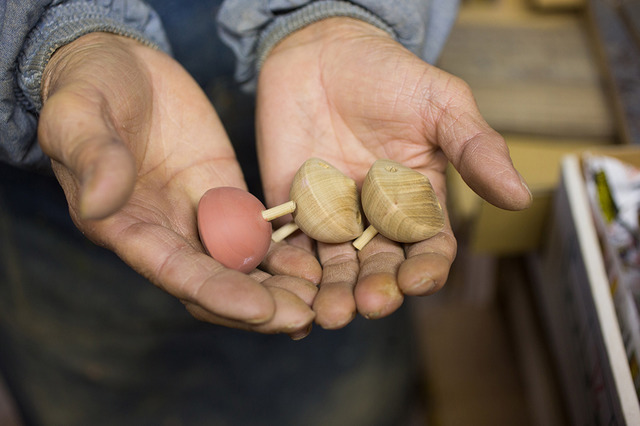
283,26
252,47
64,23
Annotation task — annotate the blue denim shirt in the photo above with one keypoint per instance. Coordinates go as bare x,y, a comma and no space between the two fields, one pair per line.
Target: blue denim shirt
31,30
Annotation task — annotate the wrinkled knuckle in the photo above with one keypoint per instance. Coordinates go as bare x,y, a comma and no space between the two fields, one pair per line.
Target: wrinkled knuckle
188,287
443,244
381,263
339,258
346,271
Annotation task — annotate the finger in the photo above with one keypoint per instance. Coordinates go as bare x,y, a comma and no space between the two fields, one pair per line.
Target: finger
259,275
101,170
305,290
479,153
292,316
335,305
171,263
377,293
286,259
428,263
301,240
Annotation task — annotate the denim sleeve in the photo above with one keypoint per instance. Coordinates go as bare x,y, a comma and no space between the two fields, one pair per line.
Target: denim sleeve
30,32
252,27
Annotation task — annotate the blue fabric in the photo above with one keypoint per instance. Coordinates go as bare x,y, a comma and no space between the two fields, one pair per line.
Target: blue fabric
420,25
30,31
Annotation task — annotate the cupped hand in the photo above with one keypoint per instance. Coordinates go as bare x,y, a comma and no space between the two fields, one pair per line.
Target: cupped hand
344,91
135,143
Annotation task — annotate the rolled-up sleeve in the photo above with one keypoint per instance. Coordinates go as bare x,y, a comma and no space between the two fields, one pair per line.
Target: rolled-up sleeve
252,27
30,32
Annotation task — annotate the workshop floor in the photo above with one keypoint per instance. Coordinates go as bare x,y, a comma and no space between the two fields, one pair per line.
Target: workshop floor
471,370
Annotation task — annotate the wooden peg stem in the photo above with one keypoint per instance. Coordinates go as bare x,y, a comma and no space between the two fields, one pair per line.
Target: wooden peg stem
364,239
284,231
279,211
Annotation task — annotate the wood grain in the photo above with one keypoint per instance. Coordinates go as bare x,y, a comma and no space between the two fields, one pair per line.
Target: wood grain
328,203
400,203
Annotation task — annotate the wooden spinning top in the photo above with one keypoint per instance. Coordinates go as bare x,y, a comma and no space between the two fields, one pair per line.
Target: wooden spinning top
234,226
400,204
327,203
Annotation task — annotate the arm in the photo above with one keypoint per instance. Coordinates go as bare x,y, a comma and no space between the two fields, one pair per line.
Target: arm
351,93
134,143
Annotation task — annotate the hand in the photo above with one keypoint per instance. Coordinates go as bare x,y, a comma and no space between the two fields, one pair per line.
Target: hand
135,143
344,91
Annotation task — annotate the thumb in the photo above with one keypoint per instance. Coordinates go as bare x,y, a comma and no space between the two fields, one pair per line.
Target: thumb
481,156
95,168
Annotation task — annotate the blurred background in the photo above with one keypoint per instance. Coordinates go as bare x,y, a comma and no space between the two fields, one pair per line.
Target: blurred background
517,336
556,78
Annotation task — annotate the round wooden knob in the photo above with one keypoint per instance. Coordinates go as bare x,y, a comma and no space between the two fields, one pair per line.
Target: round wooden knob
327,203
400,203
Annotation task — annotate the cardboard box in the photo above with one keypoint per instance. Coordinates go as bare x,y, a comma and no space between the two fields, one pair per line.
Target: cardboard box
578,311
501,232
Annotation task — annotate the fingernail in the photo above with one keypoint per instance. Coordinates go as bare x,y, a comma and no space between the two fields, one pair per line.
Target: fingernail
337,324
525,185
372,315
425,285
301,334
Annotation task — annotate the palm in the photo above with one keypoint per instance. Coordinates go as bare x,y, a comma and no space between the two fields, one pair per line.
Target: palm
348,105
134,179
344,91
179,146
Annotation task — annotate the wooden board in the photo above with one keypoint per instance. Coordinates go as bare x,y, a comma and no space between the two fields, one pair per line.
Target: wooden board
530,73
631,16
557,4
615,27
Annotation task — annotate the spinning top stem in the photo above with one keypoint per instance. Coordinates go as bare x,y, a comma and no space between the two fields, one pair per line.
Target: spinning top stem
279,211
366,236
284,231
326,204
400,204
